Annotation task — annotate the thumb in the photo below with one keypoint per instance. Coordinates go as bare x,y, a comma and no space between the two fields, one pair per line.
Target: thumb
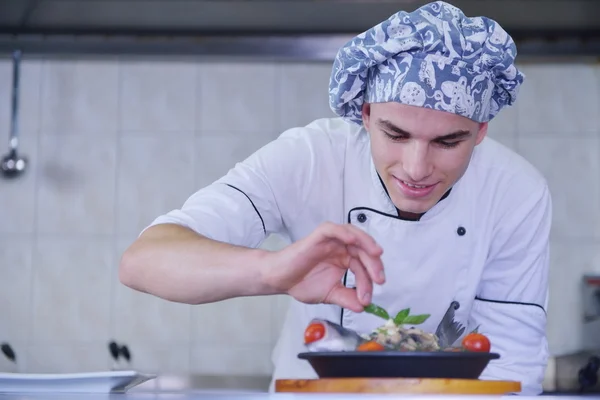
345,298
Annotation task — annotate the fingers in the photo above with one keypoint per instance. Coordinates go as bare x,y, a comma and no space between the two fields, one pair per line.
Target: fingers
364,285
363,240
351,235
367,250
373,265
345,298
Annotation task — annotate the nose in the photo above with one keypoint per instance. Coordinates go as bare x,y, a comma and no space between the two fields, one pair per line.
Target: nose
416,163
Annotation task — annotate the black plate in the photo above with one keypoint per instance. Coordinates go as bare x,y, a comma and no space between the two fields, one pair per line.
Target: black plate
396,364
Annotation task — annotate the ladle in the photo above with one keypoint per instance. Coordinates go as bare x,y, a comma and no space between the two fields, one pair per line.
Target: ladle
12,164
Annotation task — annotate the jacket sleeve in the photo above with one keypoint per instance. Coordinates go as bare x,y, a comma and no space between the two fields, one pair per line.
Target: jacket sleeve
259,195
510,307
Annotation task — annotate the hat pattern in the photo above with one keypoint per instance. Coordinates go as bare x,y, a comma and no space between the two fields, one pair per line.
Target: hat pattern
433,57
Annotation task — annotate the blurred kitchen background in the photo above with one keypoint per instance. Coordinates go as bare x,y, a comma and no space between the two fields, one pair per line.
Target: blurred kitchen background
127,107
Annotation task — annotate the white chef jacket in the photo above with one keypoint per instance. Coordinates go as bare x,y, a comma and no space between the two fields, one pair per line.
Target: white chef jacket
486,245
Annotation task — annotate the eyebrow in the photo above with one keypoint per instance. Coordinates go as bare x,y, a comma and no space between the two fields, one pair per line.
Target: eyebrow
460,134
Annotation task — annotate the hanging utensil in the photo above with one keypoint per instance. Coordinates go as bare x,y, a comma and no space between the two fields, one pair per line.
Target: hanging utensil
12,164
8,352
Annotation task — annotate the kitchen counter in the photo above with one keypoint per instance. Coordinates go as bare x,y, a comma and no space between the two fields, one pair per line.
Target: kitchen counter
195,387
230,383
206,395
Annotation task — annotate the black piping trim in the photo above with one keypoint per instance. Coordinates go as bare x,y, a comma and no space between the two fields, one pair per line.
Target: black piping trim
398,217
255,209
373,210
350,221
345,276
342,309
511,302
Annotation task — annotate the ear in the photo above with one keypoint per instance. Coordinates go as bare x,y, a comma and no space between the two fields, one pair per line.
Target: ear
483,128
366,115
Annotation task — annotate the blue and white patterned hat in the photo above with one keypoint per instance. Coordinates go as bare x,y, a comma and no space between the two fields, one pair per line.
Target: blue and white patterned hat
433,57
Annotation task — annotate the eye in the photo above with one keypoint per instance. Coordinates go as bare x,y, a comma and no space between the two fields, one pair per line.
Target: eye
395,138
449,145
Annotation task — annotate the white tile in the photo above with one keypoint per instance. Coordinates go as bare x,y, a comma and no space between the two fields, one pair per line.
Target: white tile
158,321
139,315
29,95
158,97
76,184
240,321
71,290
569,262
572,168
304,93
156,358
17,202
560,99
15,288
503,128
155,175
80,97
19,347
237,98
215,156
67,358
231,359
279,307
275,242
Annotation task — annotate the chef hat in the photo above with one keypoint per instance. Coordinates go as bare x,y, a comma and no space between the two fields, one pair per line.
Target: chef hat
433,57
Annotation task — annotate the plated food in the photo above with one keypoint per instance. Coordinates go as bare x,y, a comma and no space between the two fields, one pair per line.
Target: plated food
396,349
396,334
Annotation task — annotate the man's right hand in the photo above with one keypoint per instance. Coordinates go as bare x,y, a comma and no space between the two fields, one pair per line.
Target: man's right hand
311,269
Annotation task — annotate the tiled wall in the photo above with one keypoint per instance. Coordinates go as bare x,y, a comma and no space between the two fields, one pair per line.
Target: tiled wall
114,143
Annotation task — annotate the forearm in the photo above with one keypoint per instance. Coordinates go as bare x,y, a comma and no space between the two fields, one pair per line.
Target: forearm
175,263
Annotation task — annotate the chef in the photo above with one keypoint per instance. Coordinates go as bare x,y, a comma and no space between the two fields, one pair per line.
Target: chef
401,201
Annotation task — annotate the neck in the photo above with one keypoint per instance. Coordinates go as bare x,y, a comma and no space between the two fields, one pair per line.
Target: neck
408,215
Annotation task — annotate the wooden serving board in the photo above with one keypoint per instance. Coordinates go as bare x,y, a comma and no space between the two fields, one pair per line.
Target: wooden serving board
397,385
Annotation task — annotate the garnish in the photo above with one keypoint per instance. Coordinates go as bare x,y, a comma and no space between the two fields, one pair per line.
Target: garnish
378,311
402,318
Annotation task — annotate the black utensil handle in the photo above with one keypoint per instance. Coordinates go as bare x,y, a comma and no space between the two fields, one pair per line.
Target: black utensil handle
126,353
113,347
8,351
15,99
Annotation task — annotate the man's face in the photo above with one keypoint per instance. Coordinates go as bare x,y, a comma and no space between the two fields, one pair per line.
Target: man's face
419,153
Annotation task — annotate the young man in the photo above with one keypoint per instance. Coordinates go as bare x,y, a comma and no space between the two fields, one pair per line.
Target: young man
402,202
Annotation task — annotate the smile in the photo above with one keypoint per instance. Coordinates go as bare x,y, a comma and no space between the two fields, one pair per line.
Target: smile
415,186
414,191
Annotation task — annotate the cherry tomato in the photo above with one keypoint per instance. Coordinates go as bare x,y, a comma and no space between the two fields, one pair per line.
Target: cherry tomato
370,346
476,342
314,332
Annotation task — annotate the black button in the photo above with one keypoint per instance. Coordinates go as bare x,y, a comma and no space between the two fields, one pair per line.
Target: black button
461,231
361,218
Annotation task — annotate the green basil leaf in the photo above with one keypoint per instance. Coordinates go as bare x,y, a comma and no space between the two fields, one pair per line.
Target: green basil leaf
415,319
378,311
401,316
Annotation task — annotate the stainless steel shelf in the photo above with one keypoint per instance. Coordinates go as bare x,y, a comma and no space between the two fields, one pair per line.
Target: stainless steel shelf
318,47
